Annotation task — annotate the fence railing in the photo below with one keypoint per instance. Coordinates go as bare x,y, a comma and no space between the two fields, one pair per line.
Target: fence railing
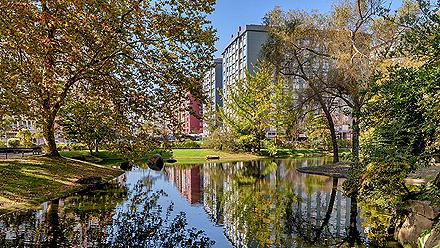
22,151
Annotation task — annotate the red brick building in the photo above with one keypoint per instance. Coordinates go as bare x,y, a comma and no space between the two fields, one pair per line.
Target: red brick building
191,123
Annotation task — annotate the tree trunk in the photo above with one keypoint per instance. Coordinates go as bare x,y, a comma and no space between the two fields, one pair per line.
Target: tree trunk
353,234
96,146
331,126
355,139
49,137
329,211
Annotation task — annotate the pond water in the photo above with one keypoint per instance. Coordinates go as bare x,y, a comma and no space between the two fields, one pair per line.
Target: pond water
263,203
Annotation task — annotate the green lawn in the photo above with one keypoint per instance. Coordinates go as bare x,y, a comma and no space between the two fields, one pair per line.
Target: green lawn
187,156
29,181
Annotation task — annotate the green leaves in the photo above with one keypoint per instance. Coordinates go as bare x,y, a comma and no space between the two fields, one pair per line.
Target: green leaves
251,107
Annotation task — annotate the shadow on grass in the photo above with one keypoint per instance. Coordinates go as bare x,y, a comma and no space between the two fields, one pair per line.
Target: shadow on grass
29,181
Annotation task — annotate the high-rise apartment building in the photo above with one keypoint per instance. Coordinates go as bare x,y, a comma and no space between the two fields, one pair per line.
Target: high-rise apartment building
242,54
213,87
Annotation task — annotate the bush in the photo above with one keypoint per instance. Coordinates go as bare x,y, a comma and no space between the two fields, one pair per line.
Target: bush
187,144
25,137
2,144
78,147
220,140
247,142
344,143
270,147
13,142
63,147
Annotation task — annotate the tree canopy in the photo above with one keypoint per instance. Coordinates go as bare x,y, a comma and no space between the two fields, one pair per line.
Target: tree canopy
137,53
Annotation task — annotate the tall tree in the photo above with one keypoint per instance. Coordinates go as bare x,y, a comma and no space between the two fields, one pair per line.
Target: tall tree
335,54
250,107
131,49
297,49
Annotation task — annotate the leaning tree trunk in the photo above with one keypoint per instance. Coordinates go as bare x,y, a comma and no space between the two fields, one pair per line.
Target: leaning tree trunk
331,127
49,136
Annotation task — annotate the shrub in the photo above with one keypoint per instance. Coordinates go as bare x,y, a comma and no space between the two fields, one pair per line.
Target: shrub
344,143
220,140
63,147
78,147
13,142
270,147
247,142
25,137
188,144
2,144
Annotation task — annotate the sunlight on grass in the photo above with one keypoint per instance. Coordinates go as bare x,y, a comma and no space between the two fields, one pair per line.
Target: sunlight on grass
28,181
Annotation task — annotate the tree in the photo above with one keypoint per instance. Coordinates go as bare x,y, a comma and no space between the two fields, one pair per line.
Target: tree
406,98
25,137
129,50
90,120
251,107
336,55
295,47
318,134
5,124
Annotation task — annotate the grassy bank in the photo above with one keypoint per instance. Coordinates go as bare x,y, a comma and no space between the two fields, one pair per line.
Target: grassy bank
103,157
188,156
29,181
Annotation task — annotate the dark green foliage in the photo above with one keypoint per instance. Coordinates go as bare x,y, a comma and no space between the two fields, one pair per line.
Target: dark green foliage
13,142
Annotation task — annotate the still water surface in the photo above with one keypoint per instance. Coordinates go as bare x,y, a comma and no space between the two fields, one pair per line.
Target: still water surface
263,203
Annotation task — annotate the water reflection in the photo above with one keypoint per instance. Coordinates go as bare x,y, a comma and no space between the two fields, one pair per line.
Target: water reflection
121,215
268,203
243,204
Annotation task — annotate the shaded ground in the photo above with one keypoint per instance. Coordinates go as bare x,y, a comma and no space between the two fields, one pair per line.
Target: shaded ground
337,170
25,182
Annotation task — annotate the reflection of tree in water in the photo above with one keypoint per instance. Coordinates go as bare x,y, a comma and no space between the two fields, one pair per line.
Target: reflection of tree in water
261,207
318,232
142,223
98,219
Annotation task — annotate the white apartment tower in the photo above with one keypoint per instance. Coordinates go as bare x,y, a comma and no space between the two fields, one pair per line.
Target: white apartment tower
242,53
213,88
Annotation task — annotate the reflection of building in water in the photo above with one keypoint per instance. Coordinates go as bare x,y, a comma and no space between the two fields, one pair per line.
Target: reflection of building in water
213,184
187,181
315,194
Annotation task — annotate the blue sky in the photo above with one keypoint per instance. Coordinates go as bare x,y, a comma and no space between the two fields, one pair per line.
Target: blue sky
230,14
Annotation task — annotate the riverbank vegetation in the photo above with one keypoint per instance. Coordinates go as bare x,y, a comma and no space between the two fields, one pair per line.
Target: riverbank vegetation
381,69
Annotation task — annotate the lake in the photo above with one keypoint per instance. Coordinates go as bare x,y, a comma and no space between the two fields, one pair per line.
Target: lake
264,203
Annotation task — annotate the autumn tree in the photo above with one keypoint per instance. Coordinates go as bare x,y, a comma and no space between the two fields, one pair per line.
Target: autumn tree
131,50
335,54
297,50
